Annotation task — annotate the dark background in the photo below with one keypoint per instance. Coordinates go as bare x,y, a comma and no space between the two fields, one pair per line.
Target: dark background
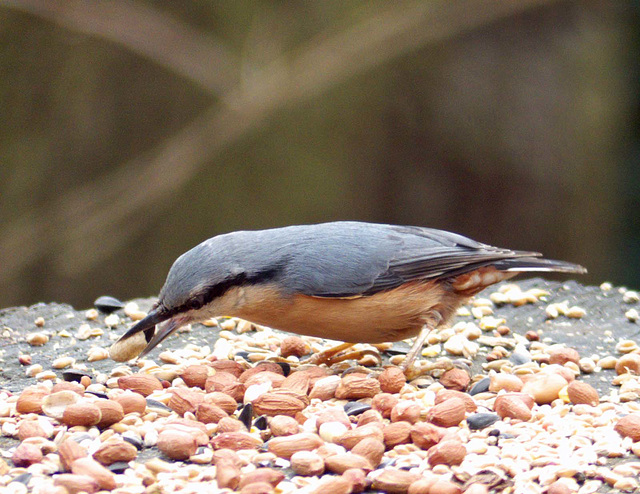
132,130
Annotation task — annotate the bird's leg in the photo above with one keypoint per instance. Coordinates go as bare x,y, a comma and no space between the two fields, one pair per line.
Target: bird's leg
431,323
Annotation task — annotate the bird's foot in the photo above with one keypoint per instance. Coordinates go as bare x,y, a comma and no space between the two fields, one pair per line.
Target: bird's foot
407,365
339,354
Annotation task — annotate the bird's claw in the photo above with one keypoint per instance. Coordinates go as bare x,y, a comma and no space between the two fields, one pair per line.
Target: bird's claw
338,354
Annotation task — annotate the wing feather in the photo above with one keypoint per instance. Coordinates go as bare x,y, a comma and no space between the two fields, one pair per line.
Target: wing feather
351,259
348,259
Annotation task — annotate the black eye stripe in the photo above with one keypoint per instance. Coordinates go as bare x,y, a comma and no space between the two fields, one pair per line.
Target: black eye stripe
218,290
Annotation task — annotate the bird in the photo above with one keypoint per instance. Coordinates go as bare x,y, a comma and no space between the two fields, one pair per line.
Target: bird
349,281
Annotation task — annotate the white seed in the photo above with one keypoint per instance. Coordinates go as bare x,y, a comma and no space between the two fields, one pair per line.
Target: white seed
621,379
101,378
203,458
626,484
630,297
576,312
590,487
137,315
509,287
446,333
131,307
470,348
606,286
496,341
463,312
557,309
626,470
228,335
97,353
257,357
281,463
608,362
628,397
573,366
39,322
91,314
587,365
566,475
112,383
85,332
18,487
169,357
62,362
472,332
433,338
632,315
145,366
430,351
97,388
537,292
330,431
256,390
626,346
366,361
480,312
151,438
228,324
477,446
455,345
526,298
9,429
55,404
112,320
34,369
44,375
37,339
222,349
499,298
490,322
244,327
170,375
46,426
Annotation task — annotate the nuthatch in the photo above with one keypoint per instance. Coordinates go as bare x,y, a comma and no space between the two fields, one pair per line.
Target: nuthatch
348,281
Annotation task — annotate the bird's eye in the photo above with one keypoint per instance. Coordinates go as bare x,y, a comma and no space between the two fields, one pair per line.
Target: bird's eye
195,303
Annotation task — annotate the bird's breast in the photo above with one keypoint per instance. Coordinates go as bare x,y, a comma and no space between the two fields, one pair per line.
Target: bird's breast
386,316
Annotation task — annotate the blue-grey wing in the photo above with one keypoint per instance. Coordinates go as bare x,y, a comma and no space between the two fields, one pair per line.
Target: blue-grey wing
348,259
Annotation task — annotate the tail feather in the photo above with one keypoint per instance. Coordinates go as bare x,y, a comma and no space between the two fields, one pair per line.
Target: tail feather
523,264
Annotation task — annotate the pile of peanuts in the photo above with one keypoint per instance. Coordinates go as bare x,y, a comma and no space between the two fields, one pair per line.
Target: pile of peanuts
249,415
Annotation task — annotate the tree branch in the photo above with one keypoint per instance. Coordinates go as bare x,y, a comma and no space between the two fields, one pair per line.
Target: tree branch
146,31
142,183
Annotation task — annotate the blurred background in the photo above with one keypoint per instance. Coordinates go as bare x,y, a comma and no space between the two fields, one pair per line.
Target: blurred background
132,130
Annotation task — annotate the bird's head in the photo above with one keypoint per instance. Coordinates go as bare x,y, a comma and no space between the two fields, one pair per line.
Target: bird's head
194,291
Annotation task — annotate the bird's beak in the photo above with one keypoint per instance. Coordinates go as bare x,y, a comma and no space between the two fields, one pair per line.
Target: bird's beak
162,332
148,324
157,315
